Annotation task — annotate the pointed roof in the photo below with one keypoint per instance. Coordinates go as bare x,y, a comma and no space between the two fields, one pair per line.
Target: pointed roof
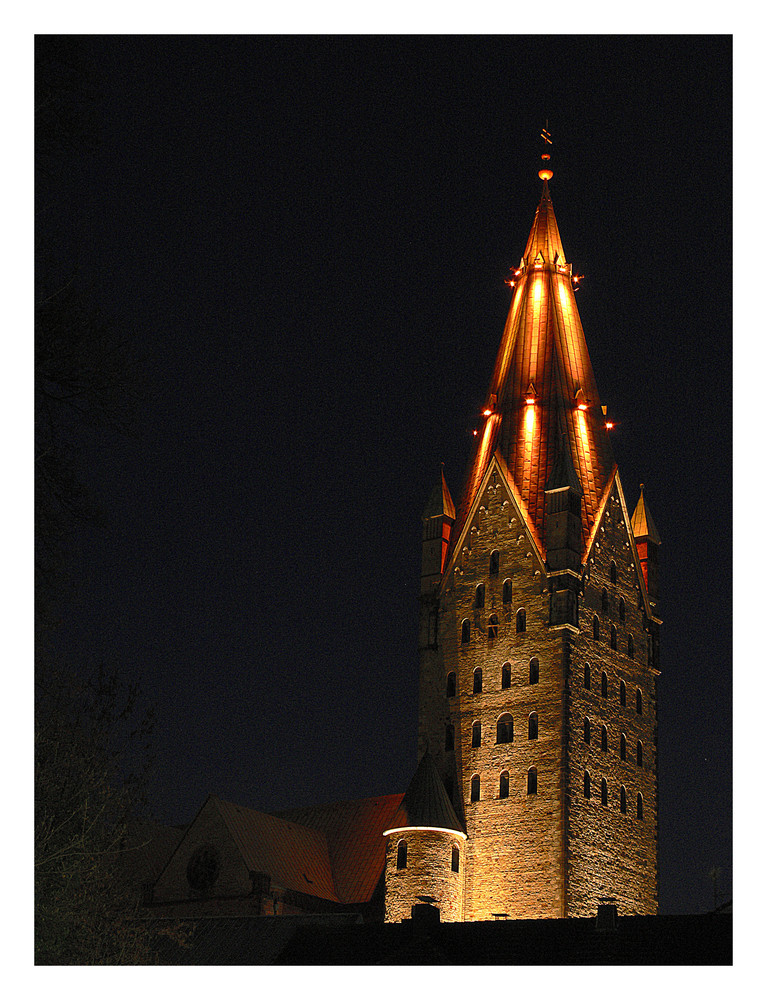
642,523
440,502
543,412
426,805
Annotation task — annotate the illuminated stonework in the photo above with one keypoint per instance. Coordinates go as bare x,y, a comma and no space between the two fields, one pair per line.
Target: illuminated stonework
539,558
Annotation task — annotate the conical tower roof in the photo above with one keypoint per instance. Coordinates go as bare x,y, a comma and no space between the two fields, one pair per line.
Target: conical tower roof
543,412
426,805
642,523
440,502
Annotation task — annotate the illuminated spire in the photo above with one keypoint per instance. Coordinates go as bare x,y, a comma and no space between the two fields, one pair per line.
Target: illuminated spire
543,414
642,523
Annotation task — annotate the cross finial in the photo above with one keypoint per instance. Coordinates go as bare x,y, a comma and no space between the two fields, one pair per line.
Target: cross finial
545,173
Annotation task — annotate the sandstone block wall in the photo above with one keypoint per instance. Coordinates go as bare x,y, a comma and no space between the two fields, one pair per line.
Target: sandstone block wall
428,872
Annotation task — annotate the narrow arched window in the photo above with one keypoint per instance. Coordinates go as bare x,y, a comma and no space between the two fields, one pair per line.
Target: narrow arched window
455,858
478,681
532,781
505,729
449,738
476,735
604,791
532,726
506,675
595,628
507,591
622,610
623,694
623,746
495,562
586,785
587,677
465,631
604,684
402,854
503,785
613,572
630,647
604,737
639,753
479,596
639,701
587,730
613,638
605,602
623,798
492,627
521,620
451,684
640,807
475,788
534,670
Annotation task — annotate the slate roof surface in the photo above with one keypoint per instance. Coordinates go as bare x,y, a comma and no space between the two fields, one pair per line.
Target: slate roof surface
356,845
542,344
296,856
426,803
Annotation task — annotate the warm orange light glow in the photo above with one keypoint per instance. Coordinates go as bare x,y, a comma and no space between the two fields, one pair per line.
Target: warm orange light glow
583,406
529,423
486,413
530,401
435,829
609,425
545,175
475,432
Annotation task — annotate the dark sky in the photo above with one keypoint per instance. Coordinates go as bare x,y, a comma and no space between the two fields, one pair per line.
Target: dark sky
305,241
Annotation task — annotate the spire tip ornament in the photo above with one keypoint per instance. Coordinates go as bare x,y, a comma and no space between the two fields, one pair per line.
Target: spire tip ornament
546,173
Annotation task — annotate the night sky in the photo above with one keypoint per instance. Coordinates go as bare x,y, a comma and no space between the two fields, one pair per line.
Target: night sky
305,242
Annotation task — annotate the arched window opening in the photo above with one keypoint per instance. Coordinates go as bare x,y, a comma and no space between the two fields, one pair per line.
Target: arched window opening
622,610
587,677
604,791
623,798
465,631
630,647
595,628
478,681
604,737
507,591
613,572
492,627
532,781
623,694
503,786
521,620
605,602
506,675
476,735
402,854
587,730
639,701
623,746
532,726
455,859
475,788
495,562
604,684
534,670
613,638
586,785
451,684
449,738
479,596
640,807
639,753
505,729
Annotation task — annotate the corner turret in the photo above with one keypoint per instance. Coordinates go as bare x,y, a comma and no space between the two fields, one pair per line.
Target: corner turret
648,543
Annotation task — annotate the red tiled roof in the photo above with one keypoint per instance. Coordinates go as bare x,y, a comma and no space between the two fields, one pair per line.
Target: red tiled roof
354,832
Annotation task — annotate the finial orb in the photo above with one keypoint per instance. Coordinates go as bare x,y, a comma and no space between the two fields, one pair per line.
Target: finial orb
545,174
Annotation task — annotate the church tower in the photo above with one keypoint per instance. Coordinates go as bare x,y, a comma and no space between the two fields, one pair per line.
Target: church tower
539,636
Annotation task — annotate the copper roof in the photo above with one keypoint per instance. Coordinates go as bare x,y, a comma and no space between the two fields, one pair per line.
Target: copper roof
642,523
426,804
295,856
542,359
354,832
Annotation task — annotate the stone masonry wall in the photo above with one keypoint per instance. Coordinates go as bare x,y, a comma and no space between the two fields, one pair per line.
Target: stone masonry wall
428,873
611,853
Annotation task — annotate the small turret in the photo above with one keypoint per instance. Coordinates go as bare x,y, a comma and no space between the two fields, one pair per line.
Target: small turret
647,542
438,521
425,850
